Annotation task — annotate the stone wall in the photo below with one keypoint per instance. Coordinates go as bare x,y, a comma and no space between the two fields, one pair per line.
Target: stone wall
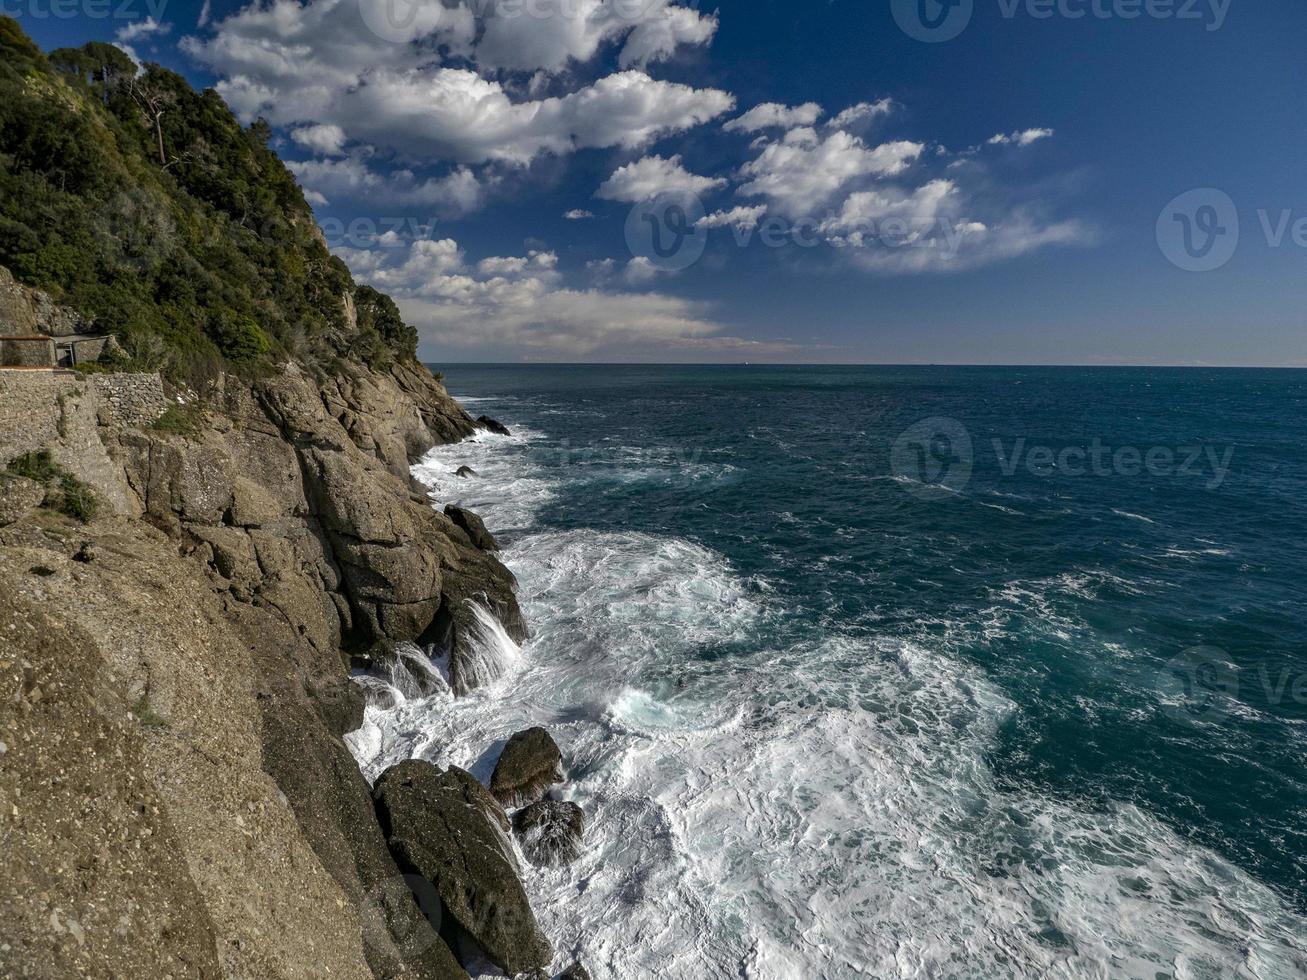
63,412
129,401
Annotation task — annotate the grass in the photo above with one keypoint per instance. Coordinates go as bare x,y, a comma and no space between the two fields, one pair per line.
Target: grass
71,496
146,714
179,420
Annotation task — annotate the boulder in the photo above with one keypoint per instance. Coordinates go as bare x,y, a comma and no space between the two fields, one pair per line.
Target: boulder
445,828
575,972
528,766
18,496
465,471
550,832
474,526
486,422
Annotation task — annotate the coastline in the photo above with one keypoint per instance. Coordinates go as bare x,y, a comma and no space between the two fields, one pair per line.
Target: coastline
217,602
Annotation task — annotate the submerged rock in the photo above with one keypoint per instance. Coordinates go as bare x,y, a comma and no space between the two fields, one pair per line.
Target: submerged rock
474,526
486,422
530,763
550,832
465,471
445,827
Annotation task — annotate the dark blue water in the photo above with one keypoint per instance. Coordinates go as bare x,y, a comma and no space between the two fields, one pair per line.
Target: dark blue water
1143,610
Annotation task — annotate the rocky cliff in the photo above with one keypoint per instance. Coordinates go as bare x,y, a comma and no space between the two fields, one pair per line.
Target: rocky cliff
175,796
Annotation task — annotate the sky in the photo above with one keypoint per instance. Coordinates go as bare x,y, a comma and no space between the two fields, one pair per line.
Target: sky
1093,182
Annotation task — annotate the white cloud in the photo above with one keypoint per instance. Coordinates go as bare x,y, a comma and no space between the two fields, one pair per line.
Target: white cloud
550,34
522,304
744,218
456,193
316,64
578,214
803,172
141,28
1020,138
862,112
771,115
646,179
326,139
935,228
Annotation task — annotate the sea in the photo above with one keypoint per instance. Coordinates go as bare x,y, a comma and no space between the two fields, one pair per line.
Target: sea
898,671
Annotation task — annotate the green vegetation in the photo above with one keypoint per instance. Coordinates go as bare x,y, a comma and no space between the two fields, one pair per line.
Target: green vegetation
67,494
179,420
148,207
146,715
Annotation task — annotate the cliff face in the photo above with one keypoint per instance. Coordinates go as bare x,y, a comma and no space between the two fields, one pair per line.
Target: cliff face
174,792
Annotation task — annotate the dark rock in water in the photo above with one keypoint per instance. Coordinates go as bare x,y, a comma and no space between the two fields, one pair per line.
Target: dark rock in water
465,471
529,765
474,526
445,827
486,422
550,833
575,972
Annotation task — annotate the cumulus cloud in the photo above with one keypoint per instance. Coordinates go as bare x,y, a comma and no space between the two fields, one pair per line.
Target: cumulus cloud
802,172
141,28
774,115
939,228
743,218
386,80
646,179
458,192
863,112
578,214
522,303
1021,138
325,139
549,34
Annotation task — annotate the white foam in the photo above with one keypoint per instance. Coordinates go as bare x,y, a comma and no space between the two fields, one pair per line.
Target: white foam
764,803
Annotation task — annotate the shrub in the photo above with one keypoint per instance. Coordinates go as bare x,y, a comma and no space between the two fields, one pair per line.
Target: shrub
71,496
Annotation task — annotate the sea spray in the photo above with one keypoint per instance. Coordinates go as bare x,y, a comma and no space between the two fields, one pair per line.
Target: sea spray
490,652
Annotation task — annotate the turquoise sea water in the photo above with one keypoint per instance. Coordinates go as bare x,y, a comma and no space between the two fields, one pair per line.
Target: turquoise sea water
905,671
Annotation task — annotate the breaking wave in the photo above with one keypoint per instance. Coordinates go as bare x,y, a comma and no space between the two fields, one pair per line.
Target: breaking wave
767,800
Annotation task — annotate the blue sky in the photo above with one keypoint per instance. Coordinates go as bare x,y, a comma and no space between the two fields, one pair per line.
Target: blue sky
1003,196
